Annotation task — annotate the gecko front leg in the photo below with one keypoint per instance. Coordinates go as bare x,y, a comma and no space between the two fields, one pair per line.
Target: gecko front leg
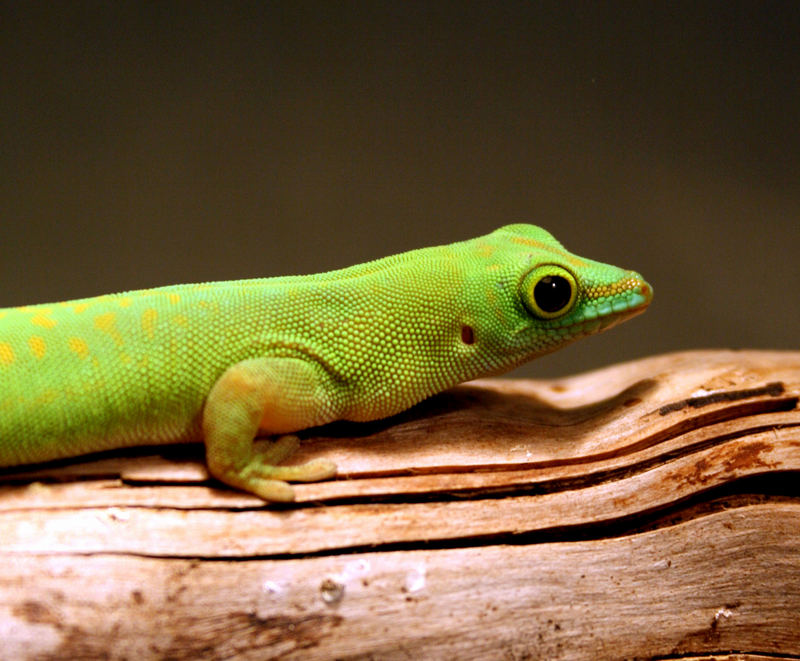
274,395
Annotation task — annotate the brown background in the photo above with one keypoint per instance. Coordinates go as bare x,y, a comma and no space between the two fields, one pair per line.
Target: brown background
152,143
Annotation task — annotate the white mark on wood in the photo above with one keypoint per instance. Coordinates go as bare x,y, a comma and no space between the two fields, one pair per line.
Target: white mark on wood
26,639
355,569
272,587
417,578
701,392
722,612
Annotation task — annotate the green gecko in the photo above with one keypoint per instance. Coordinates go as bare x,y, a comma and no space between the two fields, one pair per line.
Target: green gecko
221,362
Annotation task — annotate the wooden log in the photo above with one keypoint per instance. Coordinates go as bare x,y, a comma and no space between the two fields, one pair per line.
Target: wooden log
646,510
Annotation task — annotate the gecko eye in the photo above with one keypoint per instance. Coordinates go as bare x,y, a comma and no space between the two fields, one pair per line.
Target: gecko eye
549,291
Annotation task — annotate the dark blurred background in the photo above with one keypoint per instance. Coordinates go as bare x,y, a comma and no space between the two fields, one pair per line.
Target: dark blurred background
151,143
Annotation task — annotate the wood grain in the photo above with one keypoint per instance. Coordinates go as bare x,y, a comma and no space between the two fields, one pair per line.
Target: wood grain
647,510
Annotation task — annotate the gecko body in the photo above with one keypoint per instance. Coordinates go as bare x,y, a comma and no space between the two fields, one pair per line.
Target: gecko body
222,362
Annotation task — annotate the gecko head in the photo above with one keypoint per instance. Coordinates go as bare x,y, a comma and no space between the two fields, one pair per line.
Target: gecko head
564,304
558,297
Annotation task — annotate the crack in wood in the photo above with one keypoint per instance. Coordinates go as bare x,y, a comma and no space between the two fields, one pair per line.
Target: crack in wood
774,389
761,490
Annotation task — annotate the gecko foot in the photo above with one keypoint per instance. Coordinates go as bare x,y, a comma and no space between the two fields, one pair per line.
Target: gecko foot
276,451
260,475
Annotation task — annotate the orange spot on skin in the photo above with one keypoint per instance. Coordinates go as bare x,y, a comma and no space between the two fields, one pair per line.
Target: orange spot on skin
174,298
106,322
575,261
6,354
149,317
533,243
79,307
37,346
485,250
78,346
43,321
180,320
494,304
125,301
47,396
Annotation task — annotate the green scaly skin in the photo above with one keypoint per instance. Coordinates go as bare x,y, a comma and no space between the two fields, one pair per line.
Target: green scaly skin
220,362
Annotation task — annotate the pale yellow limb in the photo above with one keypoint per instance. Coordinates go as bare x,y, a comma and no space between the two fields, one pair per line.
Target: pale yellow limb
275,395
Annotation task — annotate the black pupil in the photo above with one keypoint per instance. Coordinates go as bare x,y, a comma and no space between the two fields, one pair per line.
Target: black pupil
552,293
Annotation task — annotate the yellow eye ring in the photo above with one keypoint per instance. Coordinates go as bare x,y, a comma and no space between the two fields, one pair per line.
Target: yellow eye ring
549,291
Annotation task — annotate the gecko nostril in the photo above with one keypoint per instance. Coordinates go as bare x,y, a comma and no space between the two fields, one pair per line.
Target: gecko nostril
467,335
